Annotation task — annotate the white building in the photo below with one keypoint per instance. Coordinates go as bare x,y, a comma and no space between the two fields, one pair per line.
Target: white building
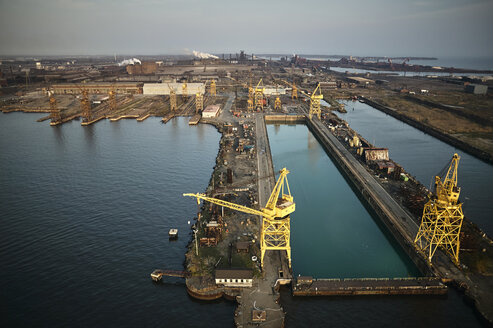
211,111
234,277
164,88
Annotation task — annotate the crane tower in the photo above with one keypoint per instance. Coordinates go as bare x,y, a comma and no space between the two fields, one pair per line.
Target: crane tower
212,89
54,111
315,102
442,216
276,229
259,95
199,102
85,105
184,91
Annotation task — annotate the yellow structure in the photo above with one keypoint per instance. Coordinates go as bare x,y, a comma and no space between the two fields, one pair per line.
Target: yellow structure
85,105
294,92
112,99
276,230
251,95
199,102
315,102
172,98
54,111
212,89
277,103
184,91
259,96
442,216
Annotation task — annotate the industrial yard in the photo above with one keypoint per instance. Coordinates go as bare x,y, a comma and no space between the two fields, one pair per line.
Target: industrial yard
239,245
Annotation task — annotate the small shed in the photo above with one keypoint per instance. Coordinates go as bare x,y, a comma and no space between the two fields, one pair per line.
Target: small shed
376,154
242,246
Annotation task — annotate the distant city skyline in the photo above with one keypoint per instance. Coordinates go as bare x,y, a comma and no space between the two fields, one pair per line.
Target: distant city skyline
434,28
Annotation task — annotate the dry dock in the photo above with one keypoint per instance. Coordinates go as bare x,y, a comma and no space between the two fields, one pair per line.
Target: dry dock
305,286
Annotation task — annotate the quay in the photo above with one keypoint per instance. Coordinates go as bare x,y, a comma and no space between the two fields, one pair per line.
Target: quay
307,286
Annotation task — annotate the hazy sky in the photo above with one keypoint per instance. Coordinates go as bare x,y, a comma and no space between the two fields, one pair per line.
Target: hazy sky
354,27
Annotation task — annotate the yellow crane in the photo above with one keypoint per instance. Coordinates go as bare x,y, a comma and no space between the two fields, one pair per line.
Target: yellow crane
212,89
259,95
315,102
112,99
442,216
85,105
54,110
172,98
199,102
184,91
251,95
277,103
294,92
276,230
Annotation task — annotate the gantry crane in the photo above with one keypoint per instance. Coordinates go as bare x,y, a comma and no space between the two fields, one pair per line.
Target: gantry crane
184,91
442,216
199,102
85,105
294,92
112,99
259,95
277,102
172,98
212,89
275,231
315,102
251,95
54,110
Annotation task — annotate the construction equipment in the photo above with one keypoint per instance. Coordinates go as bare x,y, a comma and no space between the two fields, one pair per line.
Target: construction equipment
251,95
442,216
184,91
259,96
54,110
85,105
315,102
275,232
112,99
199,102
294,92
172,98
212,89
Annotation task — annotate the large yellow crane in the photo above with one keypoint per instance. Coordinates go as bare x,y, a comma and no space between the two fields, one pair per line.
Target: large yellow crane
315,102
251,95
85,105
259,95
442,216
212,89
275,231
54,110
199,102
184,91
172,98
112,99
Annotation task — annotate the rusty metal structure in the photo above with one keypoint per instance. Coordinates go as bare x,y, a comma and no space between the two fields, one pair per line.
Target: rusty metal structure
212,89
112,99
199,102
54,111
85,105
442,216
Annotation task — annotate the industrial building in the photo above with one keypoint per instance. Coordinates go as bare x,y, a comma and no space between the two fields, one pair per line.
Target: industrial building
97,88
211,111
164,88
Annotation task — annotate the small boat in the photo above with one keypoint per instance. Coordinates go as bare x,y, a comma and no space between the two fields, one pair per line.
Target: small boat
173,233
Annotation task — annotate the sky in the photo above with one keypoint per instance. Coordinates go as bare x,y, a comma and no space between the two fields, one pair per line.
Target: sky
450,28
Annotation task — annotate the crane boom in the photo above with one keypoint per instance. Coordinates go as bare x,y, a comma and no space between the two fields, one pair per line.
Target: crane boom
224,203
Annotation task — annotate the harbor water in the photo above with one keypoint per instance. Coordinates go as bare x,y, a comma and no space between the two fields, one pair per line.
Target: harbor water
85,218
333,235
424,156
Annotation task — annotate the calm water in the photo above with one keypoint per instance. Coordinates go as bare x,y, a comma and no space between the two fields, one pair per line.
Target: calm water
333,235
84,220
424,157
85,213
